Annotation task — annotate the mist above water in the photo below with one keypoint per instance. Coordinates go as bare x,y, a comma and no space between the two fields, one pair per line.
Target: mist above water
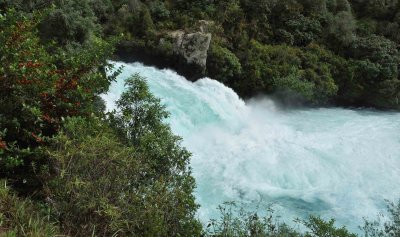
337,163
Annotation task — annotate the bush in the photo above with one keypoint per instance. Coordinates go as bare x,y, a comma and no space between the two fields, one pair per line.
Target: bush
96,181
222,64
292,88
72,21
317,227
275,69
235,221
132,180
19,217
342,30
380,51
38,89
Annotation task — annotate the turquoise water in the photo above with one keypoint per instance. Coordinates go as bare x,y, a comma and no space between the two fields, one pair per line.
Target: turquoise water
338,163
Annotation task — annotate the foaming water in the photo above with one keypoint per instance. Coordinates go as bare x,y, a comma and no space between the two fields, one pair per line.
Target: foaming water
338,163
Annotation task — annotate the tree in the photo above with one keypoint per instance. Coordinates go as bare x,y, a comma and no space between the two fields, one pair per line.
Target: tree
342,29
289,71
375,8
257,16
318,227
105,187
222,64
38,90
71,21
336,6
25,5
23,217
141,113
140,123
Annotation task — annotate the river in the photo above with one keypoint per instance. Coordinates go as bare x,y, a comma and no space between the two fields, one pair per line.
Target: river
334,162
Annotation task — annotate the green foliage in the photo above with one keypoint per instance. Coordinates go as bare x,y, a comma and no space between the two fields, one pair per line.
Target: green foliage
379,51
97,180
336,6
387,95
139,181
377,71
69,22
257,16
132,19
141,123
159,10
364,34
38,90
305,73
223,64
235,221
141,112
342,29
375,8
355,33
320,228
234,24
366,27
24,5
19,217
107,188
304,29
291,87
125,173
103,10
383,227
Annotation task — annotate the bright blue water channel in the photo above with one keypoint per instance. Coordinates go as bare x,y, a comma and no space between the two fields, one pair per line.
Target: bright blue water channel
334,162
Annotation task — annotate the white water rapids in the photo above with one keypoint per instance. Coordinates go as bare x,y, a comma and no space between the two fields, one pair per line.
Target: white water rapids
332,162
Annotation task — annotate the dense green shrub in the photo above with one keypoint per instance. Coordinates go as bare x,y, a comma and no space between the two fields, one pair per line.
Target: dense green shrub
223,64
141,120
70,22
38,89
131,178
318,227
19,217
96,189
131,181
158,10
336,6
342,30
349,29
380,51
356,31
235,221
276,69
125,173
24,5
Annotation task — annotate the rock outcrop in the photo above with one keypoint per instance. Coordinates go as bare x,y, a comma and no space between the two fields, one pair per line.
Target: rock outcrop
184,52
192,47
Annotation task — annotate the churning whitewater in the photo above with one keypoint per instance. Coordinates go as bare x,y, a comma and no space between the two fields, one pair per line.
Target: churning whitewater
337,163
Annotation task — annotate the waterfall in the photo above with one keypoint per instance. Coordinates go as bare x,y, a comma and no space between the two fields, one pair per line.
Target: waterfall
334,162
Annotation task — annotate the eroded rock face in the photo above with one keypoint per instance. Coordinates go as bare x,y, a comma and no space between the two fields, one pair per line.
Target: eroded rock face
205,26
183,51
192,47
